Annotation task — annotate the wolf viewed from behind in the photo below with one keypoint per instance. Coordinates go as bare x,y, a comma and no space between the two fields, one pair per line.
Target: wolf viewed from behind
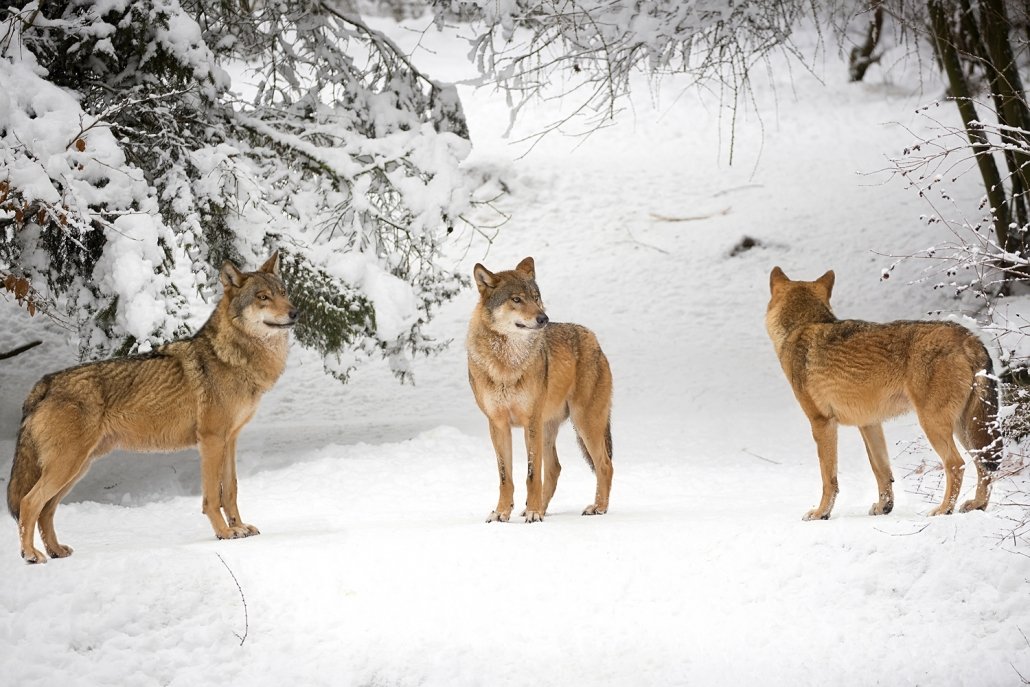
528,372
196,391
859,373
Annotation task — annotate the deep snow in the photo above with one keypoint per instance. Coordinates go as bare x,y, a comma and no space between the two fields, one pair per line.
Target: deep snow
374,566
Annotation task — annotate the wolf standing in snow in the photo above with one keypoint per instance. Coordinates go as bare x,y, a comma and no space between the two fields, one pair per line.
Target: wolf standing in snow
861,373
528,372
200,390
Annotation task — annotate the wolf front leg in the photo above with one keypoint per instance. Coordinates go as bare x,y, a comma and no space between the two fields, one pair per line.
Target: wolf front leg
500,435
534,470
879,460
229,491
824,431
214,451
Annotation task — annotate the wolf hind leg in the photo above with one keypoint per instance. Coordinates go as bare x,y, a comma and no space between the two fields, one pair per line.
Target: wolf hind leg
39,505
552,467
986,460
46,524
876,448
939,433
46,516
595,438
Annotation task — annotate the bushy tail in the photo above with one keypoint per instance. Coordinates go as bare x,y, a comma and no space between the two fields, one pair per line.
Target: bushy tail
981,428
607,445
25,470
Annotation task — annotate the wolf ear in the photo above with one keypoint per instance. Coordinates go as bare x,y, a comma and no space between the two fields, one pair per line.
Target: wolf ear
527,267
776,277
485,279
230,275
271,265
826,281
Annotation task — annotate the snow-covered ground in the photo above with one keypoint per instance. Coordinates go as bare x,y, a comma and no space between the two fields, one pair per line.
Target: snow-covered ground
374,566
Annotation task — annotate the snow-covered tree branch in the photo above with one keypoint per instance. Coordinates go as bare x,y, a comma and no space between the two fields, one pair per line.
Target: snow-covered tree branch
594,46
146,141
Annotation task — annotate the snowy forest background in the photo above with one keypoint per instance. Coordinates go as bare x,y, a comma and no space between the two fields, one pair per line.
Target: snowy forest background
658,158
147,142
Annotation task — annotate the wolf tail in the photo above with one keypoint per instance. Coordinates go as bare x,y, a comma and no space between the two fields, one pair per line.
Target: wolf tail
607,445
25,470
980,428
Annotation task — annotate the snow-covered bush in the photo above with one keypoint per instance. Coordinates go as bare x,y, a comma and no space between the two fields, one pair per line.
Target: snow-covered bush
970,261
132,164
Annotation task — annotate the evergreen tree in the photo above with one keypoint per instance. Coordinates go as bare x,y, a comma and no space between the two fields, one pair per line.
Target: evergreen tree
132,165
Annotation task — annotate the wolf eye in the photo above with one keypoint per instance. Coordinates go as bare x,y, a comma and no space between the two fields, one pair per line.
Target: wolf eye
516,299
263,296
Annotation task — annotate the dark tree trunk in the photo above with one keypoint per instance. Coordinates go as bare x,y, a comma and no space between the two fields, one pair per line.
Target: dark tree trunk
1007,87
19,350
944,40
861,56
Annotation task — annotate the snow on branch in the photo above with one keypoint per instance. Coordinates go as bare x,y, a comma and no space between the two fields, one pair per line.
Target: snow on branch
596,45
147,141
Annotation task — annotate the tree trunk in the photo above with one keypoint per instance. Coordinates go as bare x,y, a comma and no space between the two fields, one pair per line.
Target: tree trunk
945,43
970,29
861,56
1013,112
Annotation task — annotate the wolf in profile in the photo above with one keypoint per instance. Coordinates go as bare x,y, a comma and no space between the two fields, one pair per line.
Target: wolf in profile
528,372
196,391
851,372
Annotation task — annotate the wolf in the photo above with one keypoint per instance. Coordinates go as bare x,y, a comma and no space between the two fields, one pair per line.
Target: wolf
526,371
196,391
859,373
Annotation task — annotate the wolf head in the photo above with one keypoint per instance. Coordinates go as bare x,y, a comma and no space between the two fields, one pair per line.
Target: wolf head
793,303
510,300
257,300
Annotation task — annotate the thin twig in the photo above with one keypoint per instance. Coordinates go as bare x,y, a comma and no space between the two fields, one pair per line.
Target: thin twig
735,189
903,534
1025,681
692,218
633,239
767,460
246,617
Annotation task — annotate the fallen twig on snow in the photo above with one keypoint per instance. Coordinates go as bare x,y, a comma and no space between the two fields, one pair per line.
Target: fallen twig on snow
693,218
734,189
902,534
246,618
767,460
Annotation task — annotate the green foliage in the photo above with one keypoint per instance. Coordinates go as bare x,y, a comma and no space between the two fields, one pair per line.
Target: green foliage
334,316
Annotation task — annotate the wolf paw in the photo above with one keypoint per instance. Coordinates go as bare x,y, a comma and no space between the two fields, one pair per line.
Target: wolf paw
943,509
59,551
594,509
534,516
238,532
498,517
33,556
880,508
816,514
972,504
